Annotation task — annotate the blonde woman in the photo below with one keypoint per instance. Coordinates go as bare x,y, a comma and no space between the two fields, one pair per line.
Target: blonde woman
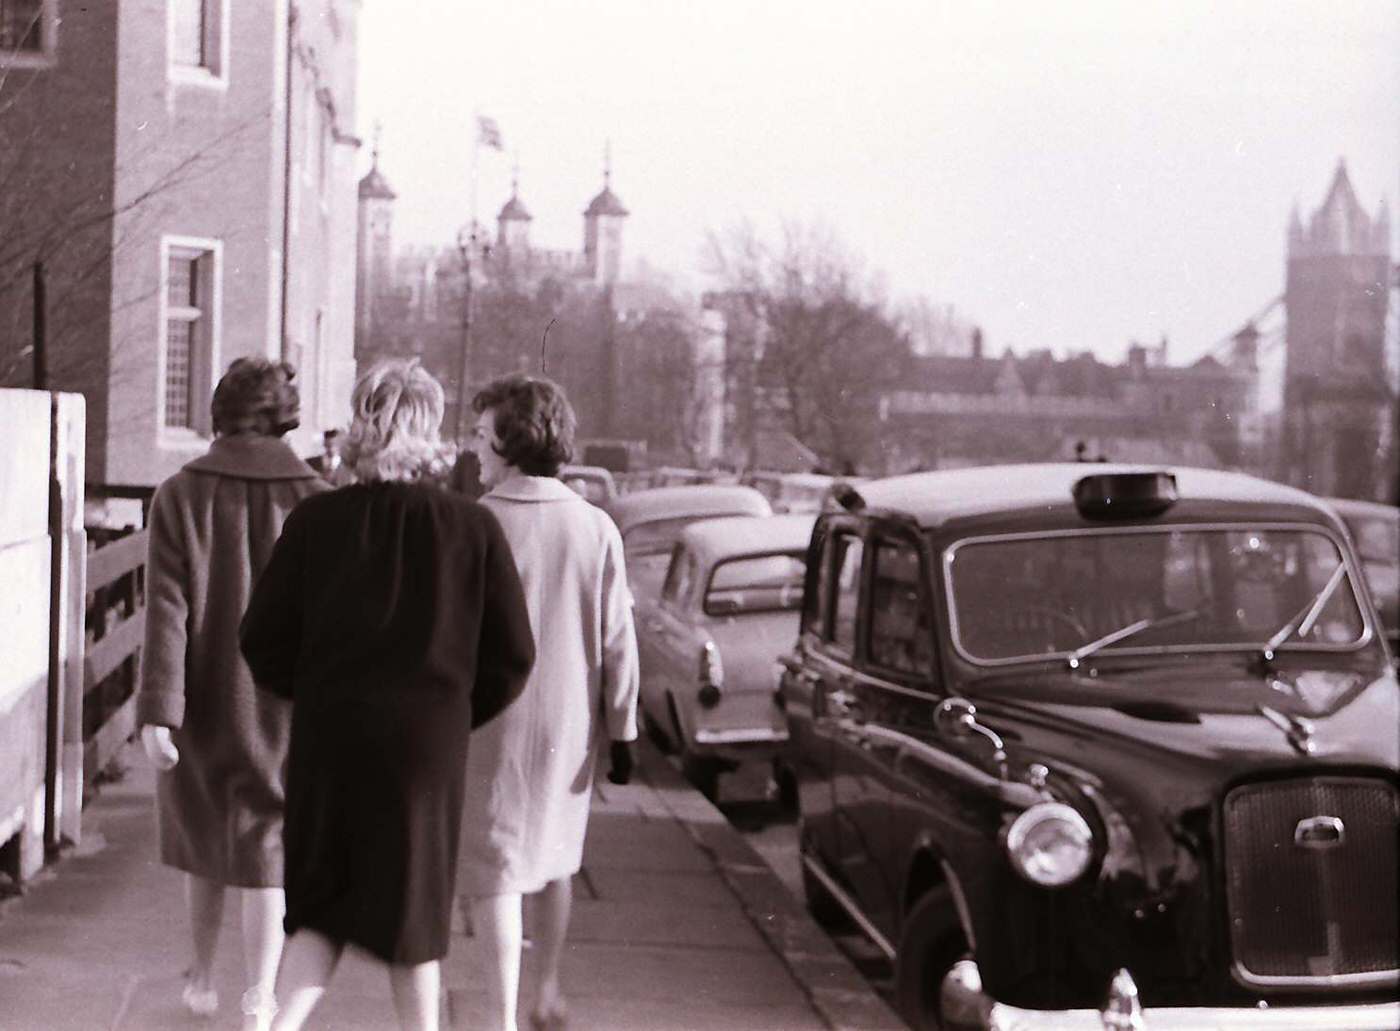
392,616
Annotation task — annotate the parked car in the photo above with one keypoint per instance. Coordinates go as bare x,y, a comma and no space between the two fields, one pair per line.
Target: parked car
726,610
651,521
593,482
1375,530
1087,748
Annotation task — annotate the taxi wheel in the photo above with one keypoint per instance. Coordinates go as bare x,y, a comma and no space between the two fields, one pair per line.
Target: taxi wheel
930,943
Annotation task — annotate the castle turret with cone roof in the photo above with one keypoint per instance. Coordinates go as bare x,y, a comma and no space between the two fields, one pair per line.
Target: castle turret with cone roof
602,231
374,243
513,223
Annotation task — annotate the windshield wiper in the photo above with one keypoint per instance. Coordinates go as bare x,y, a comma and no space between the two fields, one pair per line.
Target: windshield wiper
1084,651
1303,622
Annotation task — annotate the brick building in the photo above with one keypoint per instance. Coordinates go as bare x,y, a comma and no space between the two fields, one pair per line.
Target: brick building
981,410
184,172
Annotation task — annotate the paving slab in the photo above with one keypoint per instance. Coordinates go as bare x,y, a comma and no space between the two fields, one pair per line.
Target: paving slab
677,924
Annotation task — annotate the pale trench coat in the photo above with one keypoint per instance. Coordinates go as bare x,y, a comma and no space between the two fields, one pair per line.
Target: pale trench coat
530,771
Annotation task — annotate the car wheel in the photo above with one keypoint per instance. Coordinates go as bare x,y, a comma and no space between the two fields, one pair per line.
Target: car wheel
930,944
823,906
703,772
656,733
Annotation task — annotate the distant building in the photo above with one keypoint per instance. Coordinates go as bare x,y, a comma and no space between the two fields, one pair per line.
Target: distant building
413,300
184,172
1339,408
980,410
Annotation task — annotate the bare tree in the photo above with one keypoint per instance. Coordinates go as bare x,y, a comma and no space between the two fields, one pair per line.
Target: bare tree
824,348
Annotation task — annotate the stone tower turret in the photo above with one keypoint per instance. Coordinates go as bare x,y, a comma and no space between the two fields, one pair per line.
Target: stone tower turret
374,245
1336,401
602,232
513,226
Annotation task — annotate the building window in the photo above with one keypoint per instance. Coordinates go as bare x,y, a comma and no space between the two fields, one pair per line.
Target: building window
27,29
22,26
190,318
196,38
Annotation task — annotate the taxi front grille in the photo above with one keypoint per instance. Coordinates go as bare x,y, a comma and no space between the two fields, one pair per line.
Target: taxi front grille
1311,880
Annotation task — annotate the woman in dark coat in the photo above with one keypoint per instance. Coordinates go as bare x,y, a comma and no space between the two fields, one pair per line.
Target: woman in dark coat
220,744
392,615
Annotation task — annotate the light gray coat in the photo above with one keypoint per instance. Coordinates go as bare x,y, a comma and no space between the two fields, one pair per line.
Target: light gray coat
530,770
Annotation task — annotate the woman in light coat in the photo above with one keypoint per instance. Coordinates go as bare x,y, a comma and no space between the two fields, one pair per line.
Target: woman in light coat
530,773
219,743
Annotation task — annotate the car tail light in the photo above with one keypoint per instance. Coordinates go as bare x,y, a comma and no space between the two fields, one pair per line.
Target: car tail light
711,675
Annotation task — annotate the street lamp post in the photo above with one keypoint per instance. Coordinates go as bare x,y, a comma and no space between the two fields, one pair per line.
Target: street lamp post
466,245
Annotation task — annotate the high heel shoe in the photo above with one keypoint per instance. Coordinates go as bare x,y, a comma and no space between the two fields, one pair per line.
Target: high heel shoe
555,1020
259,1007
201,1002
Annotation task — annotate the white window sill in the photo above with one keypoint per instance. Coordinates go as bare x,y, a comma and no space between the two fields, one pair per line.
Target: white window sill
176,438
189,75
27,59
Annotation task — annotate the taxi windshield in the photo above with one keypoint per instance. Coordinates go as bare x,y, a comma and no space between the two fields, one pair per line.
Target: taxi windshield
1023,597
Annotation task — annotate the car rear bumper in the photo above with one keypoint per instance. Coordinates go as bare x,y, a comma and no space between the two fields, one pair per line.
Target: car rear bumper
1365,1017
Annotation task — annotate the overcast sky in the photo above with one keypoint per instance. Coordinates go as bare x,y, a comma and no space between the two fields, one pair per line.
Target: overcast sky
1067,174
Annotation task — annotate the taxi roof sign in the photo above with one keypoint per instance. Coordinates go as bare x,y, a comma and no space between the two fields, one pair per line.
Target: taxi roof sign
1125,495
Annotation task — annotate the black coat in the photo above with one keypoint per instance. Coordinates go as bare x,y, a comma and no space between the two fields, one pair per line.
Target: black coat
392,615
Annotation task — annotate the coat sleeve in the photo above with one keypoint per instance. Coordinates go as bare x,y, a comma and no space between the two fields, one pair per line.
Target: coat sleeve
161,698
621,672
270,634
506,647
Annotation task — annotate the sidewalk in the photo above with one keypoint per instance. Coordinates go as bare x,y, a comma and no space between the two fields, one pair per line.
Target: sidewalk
678,924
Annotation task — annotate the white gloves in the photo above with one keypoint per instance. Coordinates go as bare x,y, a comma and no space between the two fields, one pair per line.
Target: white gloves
160,750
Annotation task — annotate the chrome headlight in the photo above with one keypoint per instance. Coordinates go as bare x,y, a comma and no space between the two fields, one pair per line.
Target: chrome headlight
1050,844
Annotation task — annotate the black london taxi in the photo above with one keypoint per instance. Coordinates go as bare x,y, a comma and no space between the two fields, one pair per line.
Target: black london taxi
1100,746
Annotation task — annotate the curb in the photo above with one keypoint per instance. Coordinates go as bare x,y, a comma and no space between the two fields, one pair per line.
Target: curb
837,991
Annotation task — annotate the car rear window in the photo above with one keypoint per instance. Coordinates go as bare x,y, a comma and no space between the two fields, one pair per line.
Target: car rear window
756,583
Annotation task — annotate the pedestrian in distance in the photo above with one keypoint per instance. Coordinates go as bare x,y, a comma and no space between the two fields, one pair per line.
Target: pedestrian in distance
219,744
530,773
328,463
392,617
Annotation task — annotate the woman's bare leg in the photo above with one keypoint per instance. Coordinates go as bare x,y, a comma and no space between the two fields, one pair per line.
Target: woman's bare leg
263,910
205,900
497,925
417,995
552,909
308,961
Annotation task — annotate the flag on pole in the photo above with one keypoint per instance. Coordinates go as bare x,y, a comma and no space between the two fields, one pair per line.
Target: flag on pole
488,133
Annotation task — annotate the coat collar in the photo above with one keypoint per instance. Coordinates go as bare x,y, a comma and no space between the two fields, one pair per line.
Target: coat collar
520,487
250,457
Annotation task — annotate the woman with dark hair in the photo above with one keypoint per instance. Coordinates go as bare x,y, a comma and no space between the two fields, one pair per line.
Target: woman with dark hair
219,743
530,773
391,615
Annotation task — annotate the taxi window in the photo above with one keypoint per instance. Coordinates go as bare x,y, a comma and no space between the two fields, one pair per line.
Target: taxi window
817,595
848,549
901,625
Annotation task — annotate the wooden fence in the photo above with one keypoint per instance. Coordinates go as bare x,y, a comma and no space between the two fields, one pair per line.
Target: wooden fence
115,625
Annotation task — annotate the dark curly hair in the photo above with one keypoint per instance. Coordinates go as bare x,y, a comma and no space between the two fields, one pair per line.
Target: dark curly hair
256,395
534,422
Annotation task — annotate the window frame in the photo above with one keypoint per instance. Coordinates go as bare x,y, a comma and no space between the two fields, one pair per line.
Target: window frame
818,628
886,536
46,56
214,71
203,372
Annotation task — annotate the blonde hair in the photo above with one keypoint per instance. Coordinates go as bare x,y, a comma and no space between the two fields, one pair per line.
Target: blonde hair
397,411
